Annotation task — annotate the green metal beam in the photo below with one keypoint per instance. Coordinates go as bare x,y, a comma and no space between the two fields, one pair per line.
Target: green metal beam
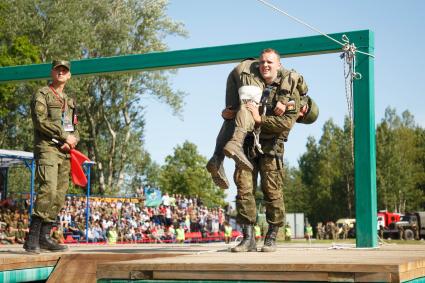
364,149
364,120
185,58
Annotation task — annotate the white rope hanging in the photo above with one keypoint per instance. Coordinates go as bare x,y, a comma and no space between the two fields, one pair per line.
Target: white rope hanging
350,74
349,56
310,26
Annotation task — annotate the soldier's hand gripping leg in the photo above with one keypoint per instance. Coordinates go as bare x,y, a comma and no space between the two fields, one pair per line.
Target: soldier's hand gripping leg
248,243
32,241
270,240
46,242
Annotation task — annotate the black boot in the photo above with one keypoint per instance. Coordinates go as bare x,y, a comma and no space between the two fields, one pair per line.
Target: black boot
31,242
270,240
46,242
248,243
216,169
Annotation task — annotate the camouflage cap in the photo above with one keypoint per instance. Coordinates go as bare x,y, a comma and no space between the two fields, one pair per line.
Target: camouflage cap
57,63
313,111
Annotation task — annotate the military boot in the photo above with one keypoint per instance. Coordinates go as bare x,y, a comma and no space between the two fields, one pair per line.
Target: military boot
234,149
216,169
32,241
46,242
248,243
270,240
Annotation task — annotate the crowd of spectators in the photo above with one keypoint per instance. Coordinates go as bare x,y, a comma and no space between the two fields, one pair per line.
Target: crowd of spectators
124,220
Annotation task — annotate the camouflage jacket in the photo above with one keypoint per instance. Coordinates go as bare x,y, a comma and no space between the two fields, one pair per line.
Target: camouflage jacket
46,113
288,86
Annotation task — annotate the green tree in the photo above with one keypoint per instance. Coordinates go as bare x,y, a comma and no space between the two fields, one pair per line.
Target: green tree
14,116
420,160
399,167
295,192
111,107
326,172
15,130
184,173
345,159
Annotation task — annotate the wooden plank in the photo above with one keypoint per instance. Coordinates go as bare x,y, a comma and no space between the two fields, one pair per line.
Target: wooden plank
341,276
412,274
281,267
25,260
351,265
373,277
71,266
390,263
27,265
254,276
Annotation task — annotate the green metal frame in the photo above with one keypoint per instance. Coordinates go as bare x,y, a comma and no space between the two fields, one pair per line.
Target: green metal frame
364,119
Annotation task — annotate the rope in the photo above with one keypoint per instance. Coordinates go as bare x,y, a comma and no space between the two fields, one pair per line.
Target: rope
349,76
311,27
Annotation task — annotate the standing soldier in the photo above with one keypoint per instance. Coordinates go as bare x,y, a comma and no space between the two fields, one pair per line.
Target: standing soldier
308,232
54,117
334,231
288,232
319,231
345,229
400,232
227,232
415,231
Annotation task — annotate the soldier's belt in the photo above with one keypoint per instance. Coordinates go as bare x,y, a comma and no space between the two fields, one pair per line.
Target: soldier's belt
245,101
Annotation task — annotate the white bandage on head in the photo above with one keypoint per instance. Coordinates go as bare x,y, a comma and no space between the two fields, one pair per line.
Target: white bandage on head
250,92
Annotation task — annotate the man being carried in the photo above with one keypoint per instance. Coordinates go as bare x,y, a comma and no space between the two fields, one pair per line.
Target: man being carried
245,84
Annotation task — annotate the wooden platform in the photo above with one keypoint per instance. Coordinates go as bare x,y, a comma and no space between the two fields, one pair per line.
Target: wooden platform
391,263
291,262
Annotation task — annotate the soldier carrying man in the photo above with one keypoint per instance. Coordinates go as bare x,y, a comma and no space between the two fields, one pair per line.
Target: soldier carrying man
270,100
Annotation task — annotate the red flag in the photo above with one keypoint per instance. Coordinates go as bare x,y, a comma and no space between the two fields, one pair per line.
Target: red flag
77,172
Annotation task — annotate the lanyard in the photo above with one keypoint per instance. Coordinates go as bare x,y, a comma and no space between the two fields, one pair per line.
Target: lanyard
59,98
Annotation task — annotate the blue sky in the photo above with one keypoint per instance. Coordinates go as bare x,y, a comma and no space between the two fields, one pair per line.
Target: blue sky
399,65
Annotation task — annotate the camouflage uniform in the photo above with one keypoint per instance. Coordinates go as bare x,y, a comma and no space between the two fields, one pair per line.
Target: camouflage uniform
54,117
247,74
53,165
274,132
264,156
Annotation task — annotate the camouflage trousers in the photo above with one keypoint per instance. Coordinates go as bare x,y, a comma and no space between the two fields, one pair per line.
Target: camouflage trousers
242,120
270,170
52,176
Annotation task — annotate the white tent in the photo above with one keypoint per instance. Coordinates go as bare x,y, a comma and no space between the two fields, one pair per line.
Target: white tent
13,157
10,158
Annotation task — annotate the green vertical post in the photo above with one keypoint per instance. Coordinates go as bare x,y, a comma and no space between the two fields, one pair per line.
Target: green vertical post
364,148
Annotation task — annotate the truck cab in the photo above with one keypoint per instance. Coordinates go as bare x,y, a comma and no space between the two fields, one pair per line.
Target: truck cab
411,226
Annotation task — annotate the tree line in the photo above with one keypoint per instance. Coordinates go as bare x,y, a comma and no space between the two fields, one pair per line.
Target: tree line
111,110
323,184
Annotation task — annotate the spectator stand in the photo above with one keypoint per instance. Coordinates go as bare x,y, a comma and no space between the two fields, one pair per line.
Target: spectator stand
10,158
